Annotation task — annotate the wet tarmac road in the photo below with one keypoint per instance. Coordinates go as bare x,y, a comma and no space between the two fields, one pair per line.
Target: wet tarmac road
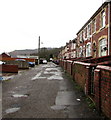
43,92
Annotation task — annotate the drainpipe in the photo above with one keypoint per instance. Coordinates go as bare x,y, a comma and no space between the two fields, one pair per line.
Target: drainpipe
109,28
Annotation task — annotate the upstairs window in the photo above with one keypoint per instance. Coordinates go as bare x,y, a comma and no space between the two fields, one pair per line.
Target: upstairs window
88,49
102,19
102,47
80,51
94,26
81,37
84,34
88,30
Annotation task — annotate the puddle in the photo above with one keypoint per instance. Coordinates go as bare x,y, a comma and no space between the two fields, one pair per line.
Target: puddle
58,107
12,110
19,95
78,100
4,78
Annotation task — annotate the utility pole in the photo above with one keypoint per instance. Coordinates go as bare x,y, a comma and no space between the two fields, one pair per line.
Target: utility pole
39,45
38,49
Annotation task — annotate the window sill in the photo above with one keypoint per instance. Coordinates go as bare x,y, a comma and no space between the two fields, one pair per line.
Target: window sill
102,28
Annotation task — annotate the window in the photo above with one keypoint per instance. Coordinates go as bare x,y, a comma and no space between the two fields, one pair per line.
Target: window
88,49
102,47
80,37
84,34
80,51
94,26
102,19
73,46
73,54
88,30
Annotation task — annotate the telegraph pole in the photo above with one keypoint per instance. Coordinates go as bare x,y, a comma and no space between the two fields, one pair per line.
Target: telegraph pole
38,49
39,45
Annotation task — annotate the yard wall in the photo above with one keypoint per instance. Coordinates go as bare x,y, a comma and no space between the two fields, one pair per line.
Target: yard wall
20,64
10,59
9,68
69,66
103,89
95,80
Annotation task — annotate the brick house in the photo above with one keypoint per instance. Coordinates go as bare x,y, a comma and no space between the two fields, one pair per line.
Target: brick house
94,38
69,50
5,55
92,68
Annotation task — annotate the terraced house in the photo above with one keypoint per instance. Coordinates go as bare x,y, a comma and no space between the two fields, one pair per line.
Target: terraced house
94,38
88,58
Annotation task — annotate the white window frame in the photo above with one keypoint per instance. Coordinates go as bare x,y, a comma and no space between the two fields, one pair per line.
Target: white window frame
80,51
88,49
88,30
103,19
94,25
81,36
102,45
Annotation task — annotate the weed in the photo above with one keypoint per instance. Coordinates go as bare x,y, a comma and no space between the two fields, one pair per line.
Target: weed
91,104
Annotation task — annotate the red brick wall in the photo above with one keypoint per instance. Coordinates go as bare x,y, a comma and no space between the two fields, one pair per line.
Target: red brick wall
65,65
104,86
97,60
10,59
69,67
100,32
9,68
81,73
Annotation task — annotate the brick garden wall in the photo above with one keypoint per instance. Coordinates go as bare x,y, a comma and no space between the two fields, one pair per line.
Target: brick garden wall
84,74
69,67
80,74
10,59
103,89
9,68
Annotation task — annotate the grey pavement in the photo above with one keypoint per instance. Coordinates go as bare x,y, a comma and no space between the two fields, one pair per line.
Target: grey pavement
43,92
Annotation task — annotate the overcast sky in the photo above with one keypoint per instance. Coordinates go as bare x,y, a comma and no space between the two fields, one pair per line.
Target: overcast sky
55,21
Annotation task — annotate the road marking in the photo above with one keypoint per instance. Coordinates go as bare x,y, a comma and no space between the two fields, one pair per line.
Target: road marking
38,76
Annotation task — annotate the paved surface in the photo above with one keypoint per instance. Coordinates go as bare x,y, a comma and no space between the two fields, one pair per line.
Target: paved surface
43,92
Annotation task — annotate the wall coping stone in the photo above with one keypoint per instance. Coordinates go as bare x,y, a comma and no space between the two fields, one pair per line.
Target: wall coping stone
104,67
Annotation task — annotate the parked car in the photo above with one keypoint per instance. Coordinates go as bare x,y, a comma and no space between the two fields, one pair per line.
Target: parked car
31,64
44,61
56,62
20,60
1,78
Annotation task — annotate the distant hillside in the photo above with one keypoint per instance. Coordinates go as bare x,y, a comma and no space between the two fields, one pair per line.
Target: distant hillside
23,52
